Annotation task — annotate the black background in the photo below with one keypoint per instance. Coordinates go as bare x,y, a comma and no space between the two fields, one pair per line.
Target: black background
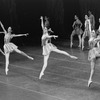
24,17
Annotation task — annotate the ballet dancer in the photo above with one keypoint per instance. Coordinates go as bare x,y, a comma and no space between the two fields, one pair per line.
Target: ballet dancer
9,46
87,31
98,30
48,47
93,54
77,31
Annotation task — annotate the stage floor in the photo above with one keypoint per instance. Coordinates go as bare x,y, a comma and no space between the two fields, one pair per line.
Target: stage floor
64,78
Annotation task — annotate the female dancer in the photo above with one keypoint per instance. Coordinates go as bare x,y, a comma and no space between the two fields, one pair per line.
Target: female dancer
87,31
48,47
77,31
10,47
98,30
92,55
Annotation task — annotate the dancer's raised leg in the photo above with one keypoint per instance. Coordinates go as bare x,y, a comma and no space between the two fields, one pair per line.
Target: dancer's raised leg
24,54
65,53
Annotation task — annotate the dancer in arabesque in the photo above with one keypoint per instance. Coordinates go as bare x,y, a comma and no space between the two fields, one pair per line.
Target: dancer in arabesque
9,46
48,47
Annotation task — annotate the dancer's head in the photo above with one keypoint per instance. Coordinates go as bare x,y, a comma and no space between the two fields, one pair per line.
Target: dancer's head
9,29
46,18
89,12
76,17
46,22
86,17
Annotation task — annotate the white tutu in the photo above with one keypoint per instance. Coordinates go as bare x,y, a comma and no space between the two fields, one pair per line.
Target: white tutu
9,47
93,53
48,48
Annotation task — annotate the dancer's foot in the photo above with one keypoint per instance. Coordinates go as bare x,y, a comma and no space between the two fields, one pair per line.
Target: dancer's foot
89,83
6,71
41,74
74,57
31,58
82,47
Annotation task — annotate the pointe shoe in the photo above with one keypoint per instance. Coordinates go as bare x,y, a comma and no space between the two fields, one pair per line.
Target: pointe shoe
30,58
74,57
41,74
6,71
82,47
89,83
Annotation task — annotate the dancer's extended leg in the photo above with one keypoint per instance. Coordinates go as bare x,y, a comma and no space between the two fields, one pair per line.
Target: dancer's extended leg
65,53
24,54
44,66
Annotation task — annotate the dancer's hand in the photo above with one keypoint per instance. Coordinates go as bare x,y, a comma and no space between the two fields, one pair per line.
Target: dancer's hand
55,36
74,57
26,34
50,30
41,17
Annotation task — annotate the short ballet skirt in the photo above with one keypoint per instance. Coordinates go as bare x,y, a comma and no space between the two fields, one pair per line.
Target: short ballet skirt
93,53
48,48
78,31
9,47
92,43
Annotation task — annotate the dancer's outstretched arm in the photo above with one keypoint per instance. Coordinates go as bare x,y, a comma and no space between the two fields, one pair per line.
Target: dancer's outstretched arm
3,27
13,35
2,32
42,25
50,36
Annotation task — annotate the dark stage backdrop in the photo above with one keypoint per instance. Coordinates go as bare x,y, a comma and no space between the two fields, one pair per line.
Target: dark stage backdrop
24,16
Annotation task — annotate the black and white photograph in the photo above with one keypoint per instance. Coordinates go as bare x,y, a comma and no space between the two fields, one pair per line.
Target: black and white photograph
49,49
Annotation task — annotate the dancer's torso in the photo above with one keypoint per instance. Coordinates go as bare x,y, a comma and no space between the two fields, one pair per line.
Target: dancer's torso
7,38
77,24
